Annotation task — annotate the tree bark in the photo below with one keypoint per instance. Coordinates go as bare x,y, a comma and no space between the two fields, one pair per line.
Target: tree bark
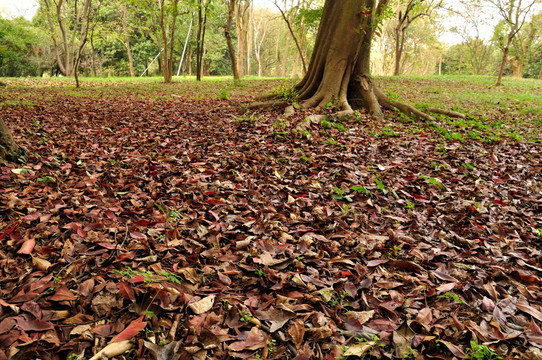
341,53
227,34
124,14
7,144
505,57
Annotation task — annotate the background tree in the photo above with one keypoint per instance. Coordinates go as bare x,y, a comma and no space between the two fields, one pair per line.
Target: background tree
477,53
514,13
406,15
521,47
20,50
68,25
227,33
164,15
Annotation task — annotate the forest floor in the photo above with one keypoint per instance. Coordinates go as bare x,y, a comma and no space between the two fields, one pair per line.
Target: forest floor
174,223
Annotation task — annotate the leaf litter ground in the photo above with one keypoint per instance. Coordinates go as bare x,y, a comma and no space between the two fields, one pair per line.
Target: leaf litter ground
182,226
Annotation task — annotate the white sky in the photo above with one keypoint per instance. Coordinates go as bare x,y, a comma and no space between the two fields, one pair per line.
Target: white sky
13,8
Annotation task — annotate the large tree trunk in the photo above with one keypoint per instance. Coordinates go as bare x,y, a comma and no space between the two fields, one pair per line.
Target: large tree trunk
341,53
7,144
339,71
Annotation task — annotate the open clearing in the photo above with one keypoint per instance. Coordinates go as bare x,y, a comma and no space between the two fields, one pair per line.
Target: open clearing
170,213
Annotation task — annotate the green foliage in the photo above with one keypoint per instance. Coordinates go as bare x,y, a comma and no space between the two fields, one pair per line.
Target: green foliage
339,195
451,297
286,92
380,186
481,352
434,181
249,118
19,51
361,190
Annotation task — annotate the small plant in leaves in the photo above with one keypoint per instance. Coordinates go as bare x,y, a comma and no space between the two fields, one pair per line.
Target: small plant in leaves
481,352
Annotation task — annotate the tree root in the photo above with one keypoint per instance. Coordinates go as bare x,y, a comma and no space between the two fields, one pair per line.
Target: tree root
446,112
273,103
406,109
369,97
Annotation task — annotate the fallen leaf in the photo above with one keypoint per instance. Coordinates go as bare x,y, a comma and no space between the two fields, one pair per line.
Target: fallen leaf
131,330
203,305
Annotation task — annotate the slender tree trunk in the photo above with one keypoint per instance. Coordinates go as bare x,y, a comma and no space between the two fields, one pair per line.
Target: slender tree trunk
130,57
202,21
227,34
400,33
277,55
505,57
165,51
285,57
124,14
240,13
250,35
7,144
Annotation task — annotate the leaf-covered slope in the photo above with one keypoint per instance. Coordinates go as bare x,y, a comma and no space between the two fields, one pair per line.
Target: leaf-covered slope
214,234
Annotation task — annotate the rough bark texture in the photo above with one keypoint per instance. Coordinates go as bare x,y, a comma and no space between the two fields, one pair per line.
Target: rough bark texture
227,34
341,54
505,57
339,71
7,144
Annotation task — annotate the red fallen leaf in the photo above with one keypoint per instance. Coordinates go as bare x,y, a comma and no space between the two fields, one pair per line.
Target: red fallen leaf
33,325
382,325
85,289
103,330
529,310
126,290
7,324
499,202
384,284
8,231
425,317
137,235
345,274
487,304
525,277
422,134
405,264
111,246
6,340
135,326
534,334
62,294
32,216
375,263
256,339
446,287
455,350
27,247
32,308
137,279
